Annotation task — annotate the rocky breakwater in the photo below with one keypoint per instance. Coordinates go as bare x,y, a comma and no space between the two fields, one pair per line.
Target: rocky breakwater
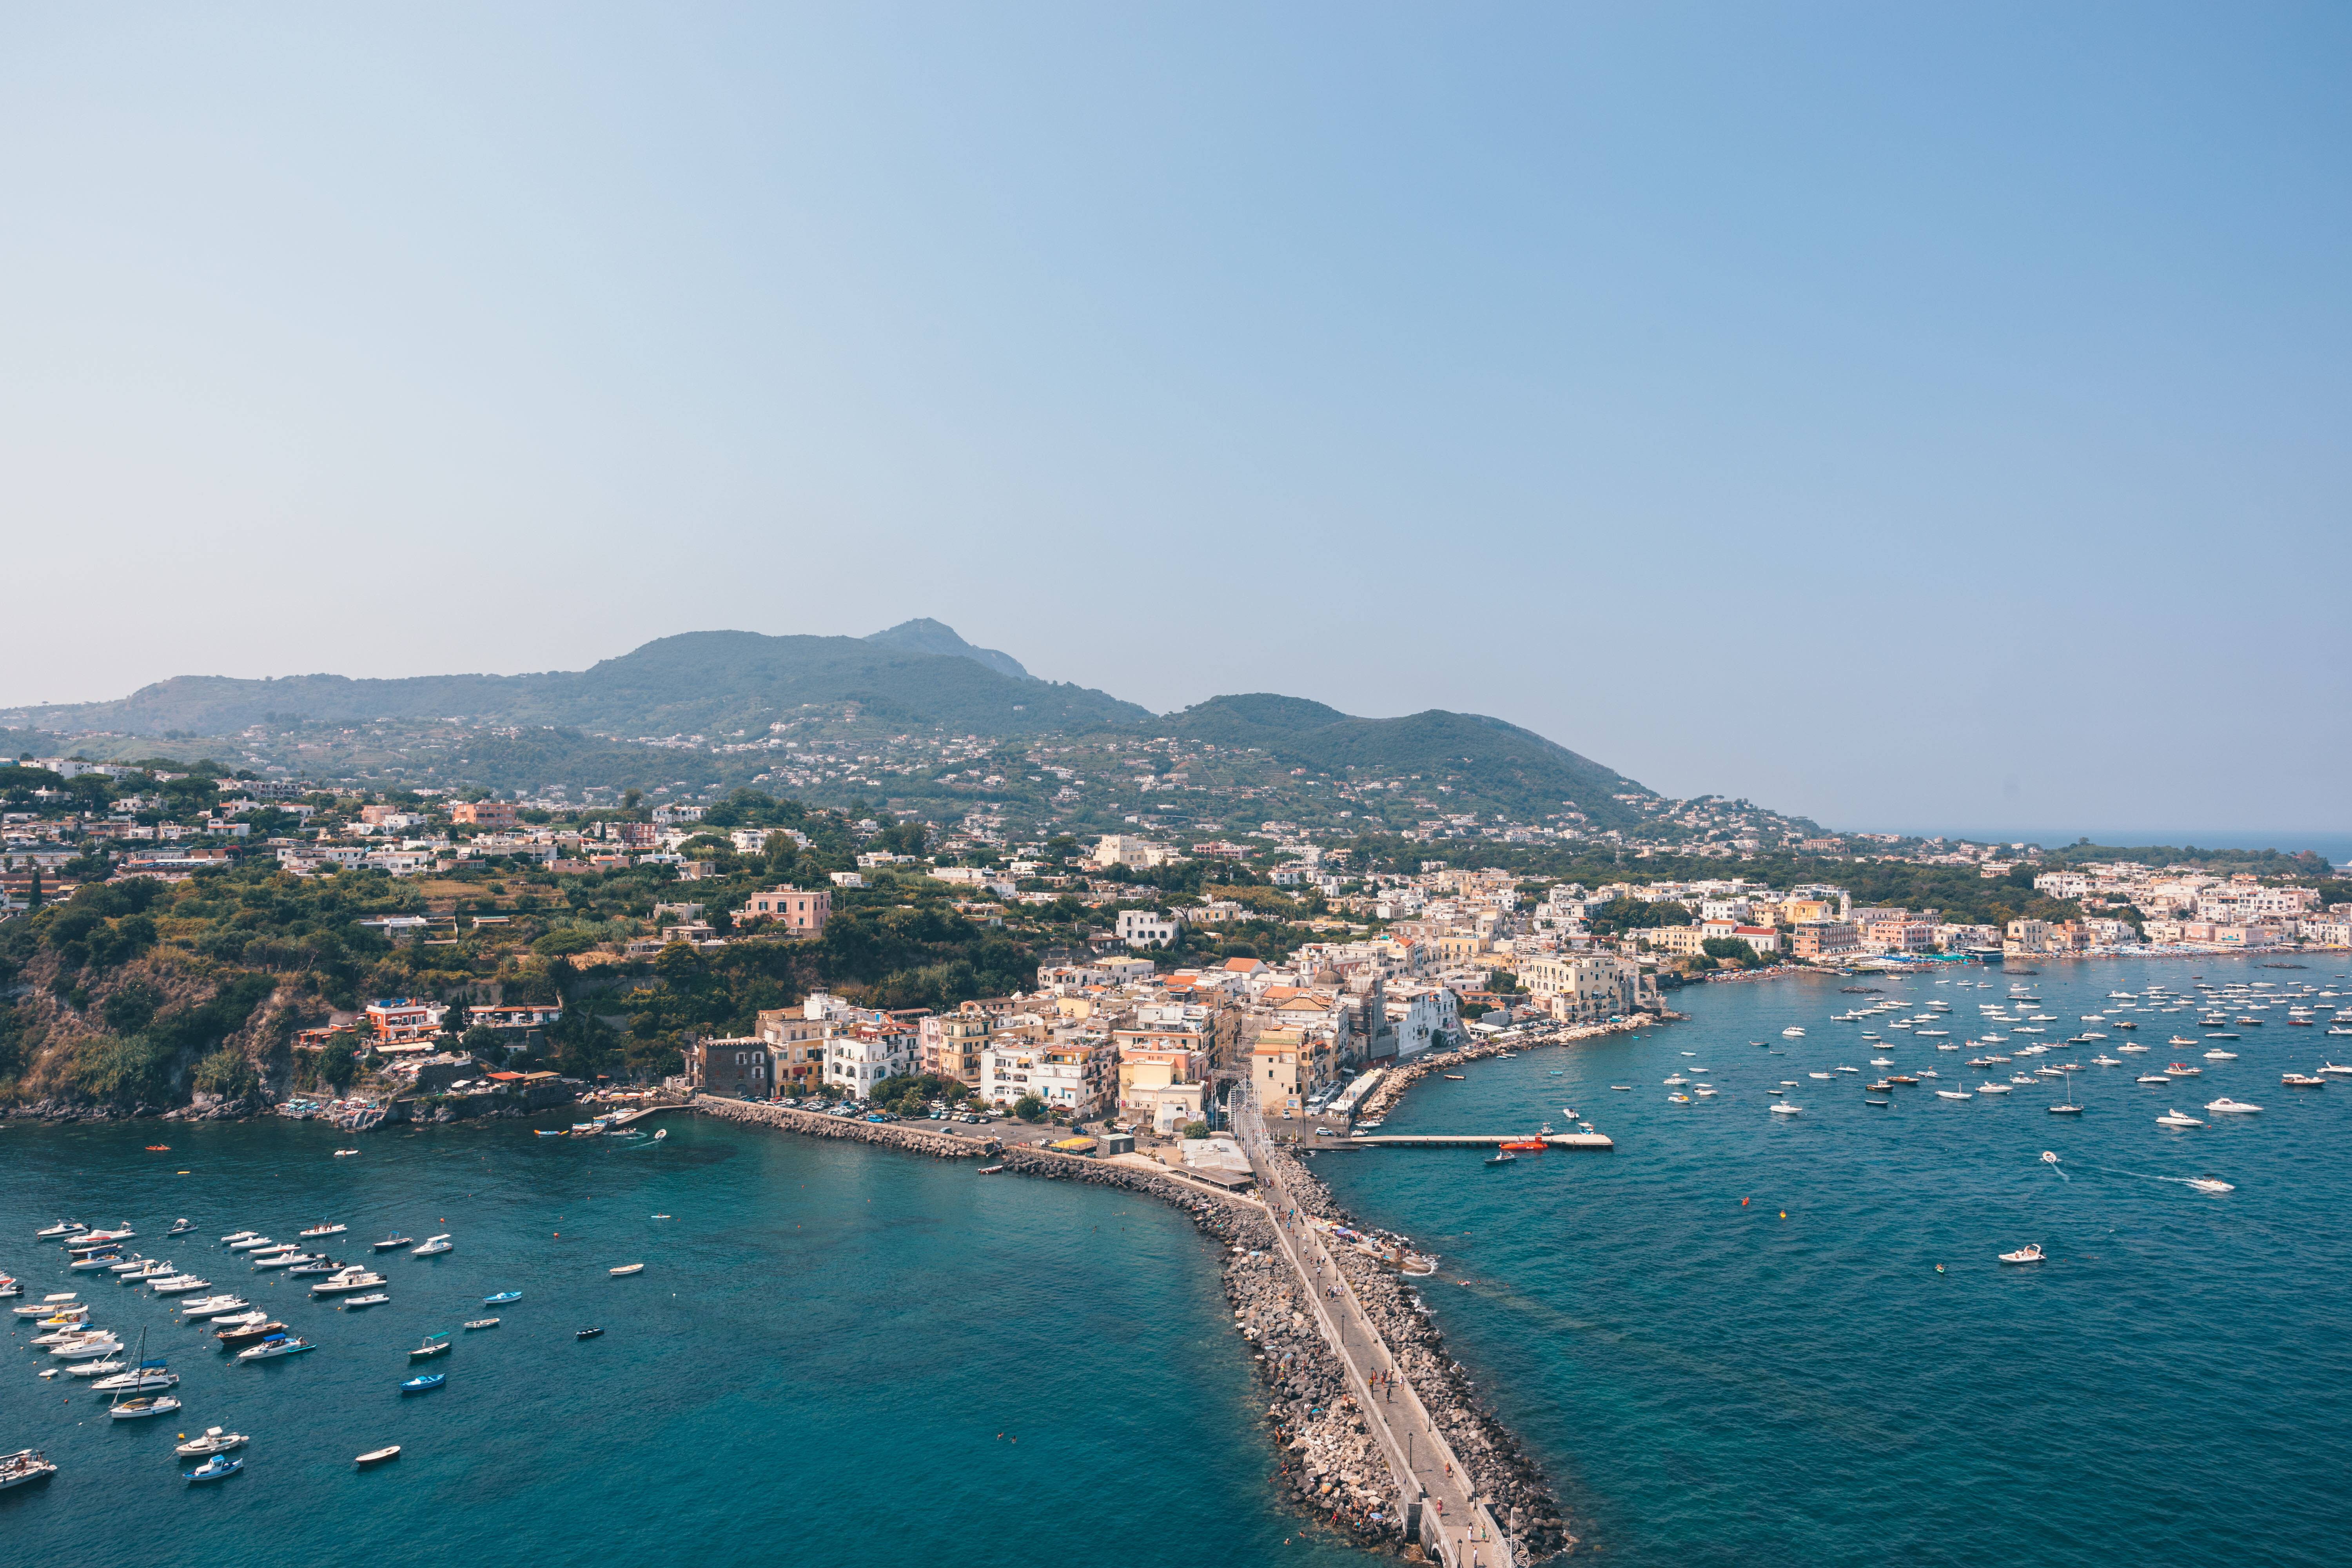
816,1124
1506,1479
1332,1467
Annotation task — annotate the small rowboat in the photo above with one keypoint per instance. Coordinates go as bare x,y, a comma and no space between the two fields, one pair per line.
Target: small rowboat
483,1324
989,1169
436,1345
628,1268
586,1333
377,1456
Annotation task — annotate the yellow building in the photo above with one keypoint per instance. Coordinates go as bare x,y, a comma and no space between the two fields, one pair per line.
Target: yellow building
1277,1066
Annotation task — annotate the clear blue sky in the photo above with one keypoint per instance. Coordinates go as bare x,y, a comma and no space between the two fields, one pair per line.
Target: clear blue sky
1912,416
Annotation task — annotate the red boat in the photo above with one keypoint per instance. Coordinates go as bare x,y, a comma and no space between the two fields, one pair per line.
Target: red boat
1530,1145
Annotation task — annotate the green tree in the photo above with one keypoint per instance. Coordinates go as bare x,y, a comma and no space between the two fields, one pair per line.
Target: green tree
1029,1108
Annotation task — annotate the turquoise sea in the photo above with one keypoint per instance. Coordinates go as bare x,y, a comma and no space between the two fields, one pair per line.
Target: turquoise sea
841,1353
1791,1380
835,1355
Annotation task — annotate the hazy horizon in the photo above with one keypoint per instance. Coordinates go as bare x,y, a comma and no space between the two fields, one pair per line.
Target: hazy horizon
1876,414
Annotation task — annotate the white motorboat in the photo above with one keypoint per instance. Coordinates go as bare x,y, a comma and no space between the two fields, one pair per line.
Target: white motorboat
87,1346
237,1235
374,1298
431,1245
639,1267
2210,1184
1992,1088
274,1346
243,1320
1954,1094
63,1227
24,1466
347,1283
249,1242
2030,1253
179,1285
180,1228
105,1368
1822,1076
1792,1033
2174,1118
1785,1108
214,1441
205,1305
2330,1070
138,1379
144,1405
48,1305
279,1260
2221,1056
322,1229
2225,1106
96,1260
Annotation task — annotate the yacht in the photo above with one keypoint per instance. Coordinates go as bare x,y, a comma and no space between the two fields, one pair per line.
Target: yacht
2302,1080
2152,1077
1785,1108
2330,1070
2182,1070
1992,1088
274,1345
2174,1118
245,1333
1792,1033
147,1376
2221,1056
394,1240
144,1405
214,1441
349,1281
63,1227
431,1245
2225,1106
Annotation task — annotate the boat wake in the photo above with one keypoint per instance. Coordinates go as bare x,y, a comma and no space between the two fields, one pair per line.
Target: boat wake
2212,1185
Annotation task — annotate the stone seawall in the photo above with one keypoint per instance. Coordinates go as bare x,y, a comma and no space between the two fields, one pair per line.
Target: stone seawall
1391,1089
1506,1478
816,1124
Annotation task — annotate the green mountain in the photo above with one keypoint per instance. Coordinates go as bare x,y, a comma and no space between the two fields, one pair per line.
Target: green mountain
1498,762
700,682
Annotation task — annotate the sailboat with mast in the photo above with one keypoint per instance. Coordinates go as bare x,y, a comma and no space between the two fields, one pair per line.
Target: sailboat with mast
145,1404
2070,1107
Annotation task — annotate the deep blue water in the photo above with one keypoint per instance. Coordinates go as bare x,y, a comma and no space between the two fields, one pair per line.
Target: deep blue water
1791,1380
835,1354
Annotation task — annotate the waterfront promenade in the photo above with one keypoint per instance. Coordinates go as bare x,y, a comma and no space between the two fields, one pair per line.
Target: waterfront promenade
1434,1490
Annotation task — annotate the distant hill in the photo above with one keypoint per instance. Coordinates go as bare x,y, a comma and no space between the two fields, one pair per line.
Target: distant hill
698,682
927,635
1514,766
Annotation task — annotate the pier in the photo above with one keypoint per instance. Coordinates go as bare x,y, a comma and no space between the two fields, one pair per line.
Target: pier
1433,1490
1600,1142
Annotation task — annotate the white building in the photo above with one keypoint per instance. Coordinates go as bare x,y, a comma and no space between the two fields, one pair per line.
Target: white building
861,1057
1423,1017
1146,928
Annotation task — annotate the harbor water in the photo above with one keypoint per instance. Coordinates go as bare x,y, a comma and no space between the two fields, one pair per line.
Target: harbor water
1729,1340
835,1355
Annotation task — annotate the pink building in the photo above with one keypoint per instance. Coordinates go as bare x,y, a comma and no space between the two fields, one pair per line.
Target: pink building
802,911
